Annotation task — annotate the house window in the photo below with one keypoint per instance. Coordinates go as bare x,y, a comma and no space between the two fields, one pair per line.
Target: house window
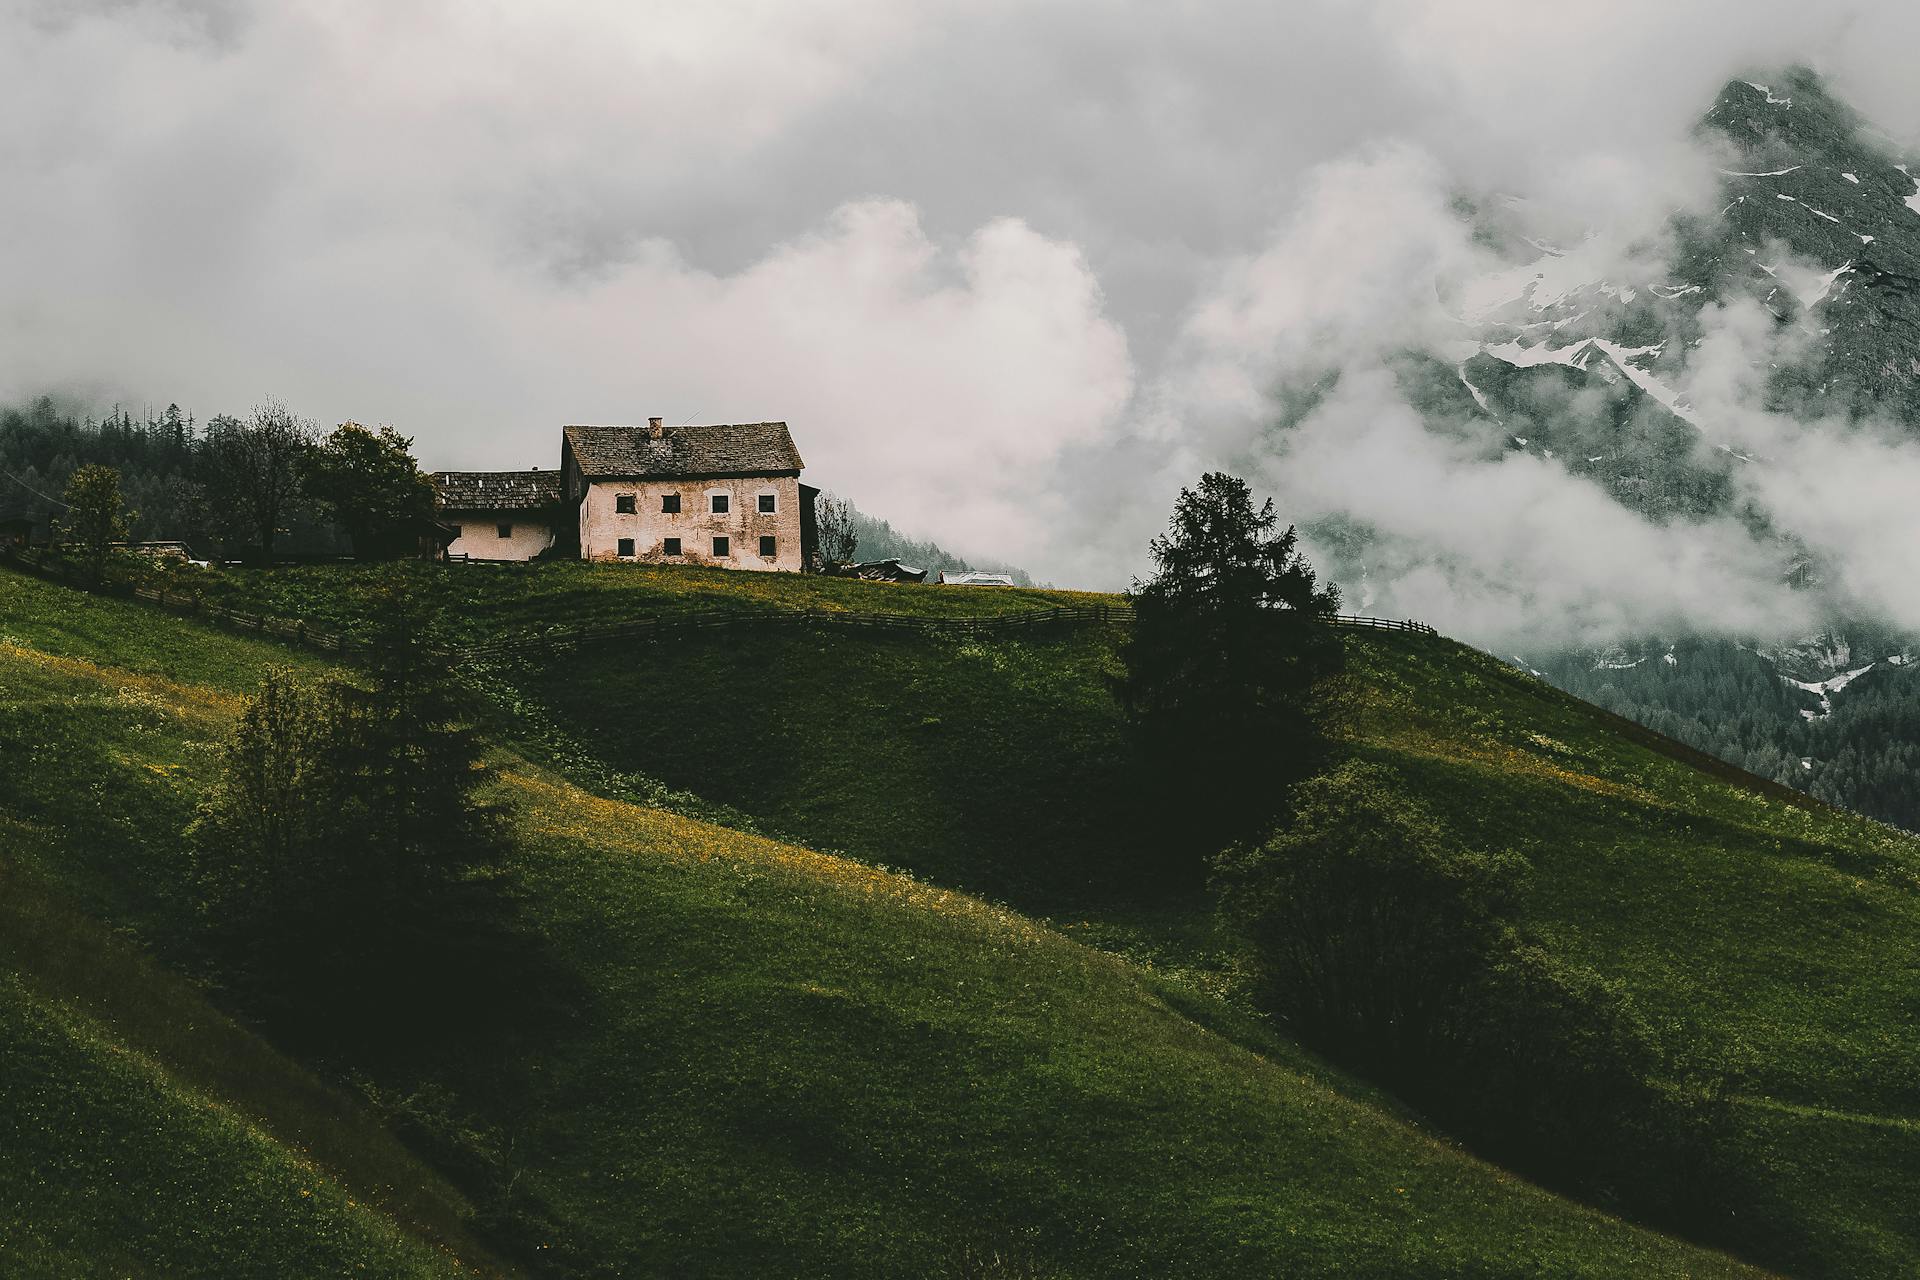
722,548
670,504
768,548
719,503
504,530
670,546
623,504
769,504
626,546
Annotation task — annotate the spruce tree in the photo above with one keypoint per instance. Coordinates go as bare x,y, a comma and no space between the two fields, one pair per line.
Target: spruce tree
1228,648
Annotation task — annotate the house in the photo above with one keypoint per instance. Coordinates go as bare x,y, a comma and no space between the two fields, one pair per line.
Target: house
501,515
727,495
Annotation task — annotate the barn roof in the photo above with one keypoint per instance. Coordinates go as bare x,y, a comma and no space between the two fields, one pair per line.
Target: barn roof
724,449
497,490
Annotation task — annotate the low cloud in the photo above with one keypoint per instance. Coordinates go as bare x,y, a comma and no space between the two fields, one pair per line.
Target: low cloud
1013,272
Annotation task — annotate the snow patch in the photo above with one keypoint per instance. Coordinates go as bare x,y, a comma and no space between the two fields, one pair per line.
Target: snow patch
1854,178
1765,173
1525,357
1825,689
1669,399
1479,397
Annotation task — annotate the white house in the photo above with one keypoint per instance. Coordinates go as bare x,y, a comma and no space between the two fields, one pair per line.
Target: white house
501,515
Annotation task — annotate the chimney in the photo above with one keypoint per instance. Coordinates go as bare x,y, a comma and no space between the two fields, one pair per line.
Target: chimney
654,430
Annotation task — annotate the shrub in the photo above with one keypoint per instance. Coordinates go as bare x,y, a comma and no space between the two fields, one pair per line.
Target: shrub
1390,948
1365,924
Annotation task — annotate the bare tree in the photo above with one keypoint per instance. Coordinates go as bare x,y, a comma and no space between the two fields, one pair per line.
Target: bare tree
833,517
253,469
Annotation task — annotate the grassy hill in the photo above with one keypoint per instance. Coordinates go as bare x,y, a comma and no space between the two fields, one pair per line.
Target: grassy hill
484,602
1768,937
767,1060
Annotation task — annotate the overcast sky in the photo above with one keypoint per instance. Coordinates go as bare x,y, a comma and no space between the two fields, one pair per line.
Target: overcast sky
1011,271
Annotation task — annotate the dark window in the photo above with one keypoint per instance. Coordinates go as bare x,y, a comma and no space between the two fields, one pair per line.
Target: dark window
505,530
670,504
719,507
767,506
623,504
767,548
670,546
626,546
722,548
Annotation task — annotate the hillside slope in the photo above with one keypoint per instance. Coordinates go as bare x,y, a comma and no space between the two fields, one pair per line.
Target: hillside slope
1772,939
779,1062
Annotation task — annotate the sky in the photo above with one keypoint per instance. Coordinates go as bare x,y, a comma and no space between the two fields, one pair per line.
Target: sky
1012,272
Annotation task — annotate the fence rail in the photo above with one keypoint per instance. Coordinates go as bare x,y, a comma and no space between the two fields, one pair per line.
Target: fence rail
1382,624
562,639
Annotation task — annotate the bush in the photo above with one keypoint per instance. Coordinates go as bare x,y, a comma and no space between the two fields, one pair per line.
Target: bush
1388,947
1366,925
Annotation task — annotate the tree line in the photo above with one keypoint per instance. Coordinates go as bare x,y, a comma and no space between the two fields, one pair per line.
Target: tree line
244,487
1729,701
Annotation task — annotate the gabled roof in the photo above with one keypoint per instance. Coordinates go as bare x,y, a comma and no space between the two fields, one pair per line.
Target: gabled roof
725,449
497,490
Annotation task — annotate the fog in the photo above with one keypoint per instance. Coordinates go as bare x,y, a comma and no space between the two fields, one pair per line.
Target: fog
1013,272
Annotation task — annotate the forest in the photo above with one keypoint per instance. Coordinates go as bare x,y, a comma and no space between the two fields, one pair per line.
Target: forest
1861,750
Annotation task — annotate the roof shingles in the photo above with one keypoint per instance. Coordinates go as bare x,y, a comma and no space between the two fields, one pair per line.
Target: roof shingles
497,490
724,449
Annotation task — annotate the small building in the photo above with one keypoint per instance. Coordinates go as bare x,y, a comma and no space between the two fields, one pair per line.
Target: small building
890,570
727,495
977,579
500,515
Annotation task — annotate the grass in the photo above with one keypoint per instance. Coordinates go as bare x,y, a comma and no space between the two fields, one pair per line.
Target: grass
1772,940
486,602
985,764
108,1166
776,1061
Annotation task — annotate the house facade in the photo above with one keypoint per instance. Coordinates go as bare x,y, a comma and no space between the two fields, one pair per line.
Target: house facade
501,515
727,495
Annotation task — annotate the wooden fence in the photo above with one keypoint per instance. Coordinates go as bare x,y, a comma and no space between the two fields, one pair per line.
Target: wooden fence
1382,624
563,639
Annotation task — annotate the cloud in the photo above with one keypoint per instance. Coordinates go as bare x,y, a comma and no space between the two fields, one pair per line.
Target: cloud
1013,272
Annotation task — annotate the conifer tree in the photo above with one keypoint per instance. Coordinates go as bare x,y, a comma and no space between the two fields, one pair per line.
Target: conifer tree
1229,644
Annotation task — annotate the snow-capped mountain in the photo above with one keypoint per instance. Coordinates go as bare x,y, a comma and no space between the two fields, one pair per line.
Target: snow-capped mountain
1582,354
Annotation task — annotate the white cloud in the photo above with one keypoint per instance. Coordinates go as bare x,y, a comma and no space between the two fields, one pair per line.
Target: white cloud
946,239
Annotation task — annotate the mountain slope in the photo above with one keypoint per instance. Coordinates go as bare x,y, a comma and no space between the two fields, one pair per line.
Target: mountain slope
773,1061
1579,354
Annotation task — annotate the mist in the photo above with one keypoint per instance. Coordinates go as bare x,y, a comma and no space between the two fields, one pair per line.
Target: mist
1013,273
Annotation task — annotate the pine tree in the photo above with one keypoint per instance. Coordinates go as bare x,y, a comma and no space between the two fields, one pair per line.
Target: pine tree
1228,648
